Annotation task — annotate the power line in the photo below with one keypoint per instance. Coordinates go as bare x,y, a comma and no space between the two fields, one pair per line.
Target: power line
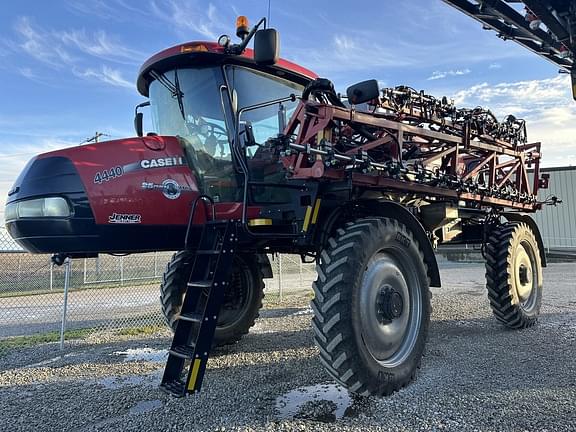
94,138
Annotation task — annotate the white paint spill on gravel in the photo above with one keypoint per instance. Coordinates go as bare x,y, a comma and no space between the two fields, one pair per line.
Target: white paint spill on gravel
143,354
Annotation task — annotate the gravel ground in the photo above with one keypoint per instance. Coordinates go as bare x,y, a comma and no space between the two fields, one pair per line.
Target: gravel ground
476,375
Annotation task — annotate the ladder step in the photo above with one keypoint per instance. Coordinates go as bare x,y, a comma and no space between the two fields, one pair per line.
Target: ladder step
191,317
200,284
175,388
183,351
207,252
210,273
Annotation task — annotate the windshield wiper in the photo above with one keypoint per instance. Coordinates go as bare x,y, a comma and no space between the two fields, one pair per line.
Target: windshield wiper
173,88
179,94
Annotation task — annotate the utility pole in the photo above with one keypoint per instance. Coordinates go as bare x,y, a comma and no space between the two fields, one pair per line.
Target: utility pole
94,139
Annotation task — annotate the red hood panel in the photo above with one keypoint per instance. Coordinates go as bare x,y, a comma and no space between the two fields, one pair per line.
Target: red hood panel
141,181
135,180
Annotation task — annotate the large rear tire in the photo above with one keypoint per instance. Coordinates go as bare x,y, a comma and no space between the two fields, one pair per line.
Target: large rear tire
514,275
242,298
372,306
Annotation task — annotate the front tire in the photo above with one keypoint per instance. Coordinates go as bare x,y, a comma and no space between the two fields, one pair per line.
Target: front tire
372,306
514,275
242,298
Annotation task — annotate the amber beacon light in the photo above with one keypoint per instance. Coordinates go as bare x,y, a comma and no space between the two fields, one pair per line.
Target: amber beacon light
242,27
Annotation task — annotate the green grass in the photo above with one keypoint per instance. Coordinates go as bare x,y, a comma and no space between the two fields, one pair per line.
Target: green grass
16,342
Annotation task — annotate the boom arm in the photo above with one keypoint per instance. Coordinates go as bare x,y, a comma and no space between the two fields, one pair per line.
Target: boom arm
545,27
414,145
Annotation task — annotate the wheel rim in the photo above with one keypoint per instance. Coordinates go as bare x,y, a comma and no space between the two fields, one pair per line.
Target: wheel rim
526,278
391,307
236,298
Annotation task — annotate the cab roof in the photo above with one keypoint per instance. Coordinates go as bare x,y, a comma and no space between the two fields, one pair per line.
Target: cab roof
210,53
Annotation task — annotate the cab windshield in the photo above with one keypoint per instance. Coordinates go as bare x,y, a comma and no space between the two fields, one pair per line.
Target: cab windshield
187,103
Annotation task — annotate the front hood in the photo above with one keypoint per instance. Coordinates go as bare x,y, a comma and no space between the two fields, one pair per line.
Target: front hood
120,176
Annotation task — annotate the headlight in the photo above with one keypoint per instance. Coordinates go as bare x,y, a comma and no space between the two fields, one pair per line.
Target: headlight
37,208
56,207
31,208
11,212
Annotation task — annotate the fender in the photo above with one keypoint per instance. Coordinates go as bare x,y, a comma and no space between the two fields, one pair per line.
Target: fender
518,217
396,211
391,209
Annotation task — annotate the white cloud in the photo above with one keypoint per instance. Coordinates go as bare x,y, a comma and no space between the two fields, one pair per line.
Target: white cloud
367,50
105,9
354,53
37,43
26,72
349,54
33,75
70,50
495,66
546,92
450,73
546,105
344,44
100,45
105,74
187,16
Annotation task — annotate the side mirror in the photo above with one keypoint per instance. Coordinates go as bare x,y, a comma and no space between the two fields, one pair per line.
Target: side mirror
362,92
138,116
138,124
246,129
266,47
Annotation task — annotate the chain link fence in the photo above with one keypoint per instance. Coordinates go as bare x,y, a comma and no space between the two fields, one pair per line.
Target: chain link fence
104,293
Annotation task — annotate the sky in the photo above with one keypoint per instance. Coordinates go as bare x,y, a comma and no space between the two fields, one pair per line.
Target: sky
68,67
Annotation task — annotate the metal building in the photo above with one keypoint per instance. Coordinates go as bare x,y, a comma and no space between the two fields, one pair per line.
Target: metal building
558,224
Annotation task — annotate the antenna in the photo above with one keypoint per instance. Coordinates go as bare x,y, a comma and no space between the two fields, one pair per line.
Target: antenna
268,20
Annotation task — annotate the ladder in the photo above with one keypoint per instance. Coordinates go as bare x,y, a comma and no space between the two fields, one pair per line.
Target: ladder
211,272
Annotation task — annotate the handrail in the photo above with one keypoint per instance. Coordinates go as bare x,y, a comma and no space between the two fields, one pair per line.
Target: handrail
202,198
